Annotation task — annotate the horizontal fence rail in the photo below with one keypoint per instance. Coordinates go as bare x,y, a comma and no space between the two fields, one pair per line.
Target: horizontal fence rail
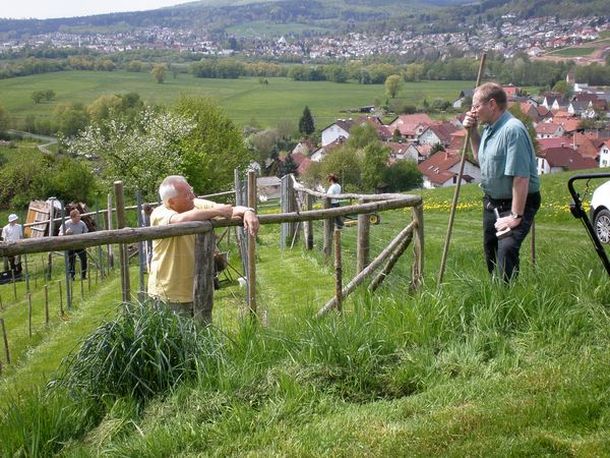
130,235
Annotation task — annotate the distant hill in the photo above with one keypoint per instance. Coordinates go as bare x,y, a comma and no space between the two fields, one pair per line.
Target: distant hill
307,17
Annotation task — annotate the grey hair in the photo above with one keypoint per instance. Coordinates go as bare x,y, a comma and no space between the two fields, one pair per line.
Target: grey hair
167,189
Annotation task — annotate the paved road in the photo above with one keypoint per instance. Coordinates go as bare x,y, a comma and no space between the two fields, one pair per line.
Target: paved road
44,138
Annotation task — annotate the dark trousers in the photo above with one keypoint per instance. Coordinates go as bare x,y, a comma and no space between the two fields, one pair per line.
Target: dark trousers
82,254
503,254
338,219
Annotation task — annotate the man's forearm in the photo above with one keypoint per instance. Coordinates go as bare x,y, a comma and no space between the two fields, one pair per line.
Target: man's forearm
520,190
475,141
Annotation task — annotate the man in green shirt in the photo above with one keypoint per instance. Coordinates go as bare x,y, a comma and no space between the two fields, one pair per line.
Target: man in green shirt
509,177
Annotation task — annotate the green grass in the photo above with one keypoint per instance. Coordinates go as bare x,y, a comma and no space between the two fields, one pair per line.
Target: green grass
573,52
469,368
244,100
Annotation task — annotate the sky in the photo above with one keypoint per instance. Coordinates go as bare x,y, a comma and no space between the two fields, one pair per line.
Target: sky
45,9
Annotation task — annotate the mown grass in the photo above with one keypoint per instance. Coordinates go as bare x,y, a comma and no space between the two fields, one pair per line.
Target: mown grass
467,368
573,52
244,99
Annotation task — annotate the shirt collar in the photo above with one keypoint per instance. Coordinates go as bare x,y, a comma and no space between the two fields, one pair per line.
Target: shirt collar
491,128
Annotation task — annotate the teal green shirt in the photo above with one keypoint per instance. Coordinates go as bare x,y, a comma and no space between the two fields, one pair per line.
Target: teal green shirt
506,151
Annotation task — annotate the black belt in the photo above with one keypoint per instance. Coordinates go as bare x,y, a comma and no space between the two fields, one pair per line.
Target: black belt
504,204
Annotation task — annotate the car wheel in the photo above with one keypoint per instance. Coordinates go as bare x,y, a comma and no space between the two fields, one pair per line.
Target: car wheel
602,225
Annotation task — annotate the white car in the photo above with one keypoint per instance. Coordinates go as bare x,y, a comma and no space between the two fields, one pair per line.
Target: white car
600,212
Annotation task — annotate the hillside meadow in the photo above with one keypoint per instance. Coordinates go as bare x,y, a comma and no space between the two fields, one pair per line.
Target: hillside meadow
245,100
467,368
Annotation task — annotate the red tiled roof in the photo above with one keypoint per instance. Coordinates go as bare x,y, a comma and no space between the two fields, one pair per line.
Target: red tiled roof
567,158
444,130
554,142
436,167
570,125
584,145
547,128
407,124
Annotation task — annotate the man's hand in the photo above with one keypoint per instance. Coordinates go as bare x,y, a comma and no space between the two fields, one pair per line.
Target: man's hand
507,221
251,223
470,120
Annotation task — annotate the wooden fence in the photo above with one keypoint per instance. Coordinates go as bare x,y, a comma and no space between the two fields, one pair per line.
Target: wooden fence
298,214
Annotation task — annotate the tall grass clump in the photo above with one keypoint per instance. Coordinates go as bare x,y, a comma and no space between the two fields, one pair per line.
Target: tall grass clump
39,422
145,351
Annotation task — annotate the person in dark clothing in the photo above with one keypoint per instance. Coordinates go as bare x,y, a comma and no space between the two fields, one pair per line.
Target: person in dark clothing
73,226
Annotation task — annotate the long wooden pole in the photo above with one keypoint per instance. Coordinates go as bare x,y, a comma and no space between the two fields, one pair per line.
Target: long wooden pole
251,271
120,216
338,271
456,192
7,353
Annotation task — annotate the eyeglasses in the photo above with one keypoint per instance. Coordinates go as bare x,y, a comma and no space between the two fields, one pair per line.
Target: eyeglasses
479,105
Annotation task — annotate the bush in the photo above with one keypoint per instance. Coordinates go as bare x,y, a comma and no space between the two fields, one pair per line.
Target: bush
144,352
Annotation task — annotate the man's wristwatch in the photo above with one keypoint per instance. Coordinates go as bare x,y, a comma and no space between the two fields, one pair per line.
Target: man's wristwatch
249,209
514,215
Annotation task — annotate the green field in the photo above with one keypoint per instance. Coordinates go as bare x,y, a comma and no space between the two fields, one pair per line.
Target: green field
573,52
244,100
466,368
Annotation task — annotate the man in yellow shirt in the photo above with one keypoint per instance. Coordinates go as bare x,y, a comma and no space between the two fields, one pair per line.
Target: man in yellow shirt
173,259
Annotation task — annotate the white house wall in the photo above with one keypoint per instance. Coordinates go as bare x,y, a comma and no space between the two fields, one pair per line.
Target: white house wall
332,133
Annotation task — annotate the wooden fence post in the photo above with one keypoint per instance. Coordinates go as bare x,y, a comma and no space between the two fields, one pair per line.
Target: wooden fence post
26,271
328,229
61,299
203,284
338,271
67,263
109,227
46,304
14,284
100,254
251,272
240,199
7,353
30,314
418,246
141,253
120,216
364,230
308,225
287,202
51,233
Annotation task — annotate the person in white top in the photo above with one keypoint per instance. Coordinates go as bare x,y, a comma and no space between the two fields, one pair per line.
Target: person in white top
11,233
335,189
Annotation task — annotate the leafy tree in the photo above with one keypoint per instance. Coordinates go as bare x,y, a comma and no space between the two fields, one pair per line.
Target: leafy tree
343,162
37,96
71,118
287,166
159,72
213,148
563,87
402,176
4,119
361,136
306,123
392,85
374,164
141,154
515,109
436,148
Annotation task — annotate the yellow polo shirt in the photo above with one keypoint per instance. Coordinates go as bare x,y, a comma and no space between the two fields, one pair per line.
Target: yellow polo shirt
173,259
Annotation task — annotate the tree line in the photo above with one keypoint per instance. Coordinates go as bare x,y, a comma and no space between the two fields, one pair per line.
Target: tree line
519,70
